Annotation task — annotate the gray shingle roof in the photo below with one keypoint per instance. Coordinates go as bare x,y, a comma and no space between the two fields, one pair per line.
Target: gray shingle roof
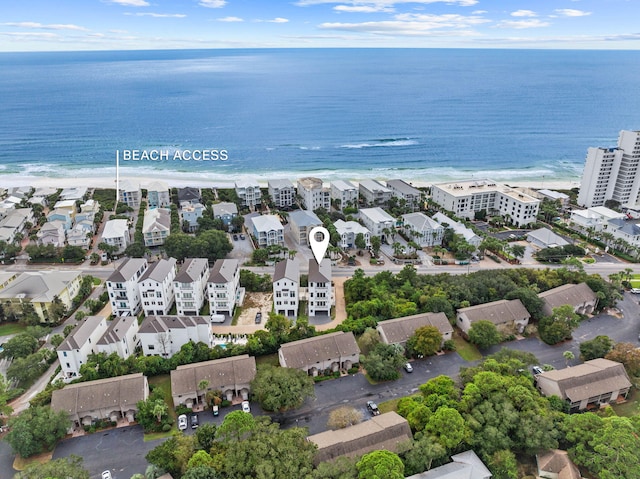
120,394
80,334
117,329
160,270
319,273
219,373
40,286
162,324
589,379
498,312
127,270
400,329
191,270
288,269
305,352
223,271
572,294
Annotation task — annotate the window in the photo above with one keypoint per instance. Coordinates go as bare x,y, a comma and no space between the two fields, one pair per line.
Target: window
151,346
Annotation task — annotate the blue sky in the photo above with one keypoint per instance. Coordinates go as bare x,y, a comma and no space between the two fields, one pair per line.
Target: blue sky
41,25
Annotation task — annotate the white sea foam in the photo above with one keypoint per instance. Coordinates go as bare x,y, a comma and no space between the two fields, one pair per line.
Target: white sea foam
381,143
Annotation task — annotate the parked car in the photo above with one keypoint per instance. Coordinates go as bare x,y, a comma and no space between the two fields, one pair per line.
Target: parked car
537,370
635,290
216,410
106,474
373,408
241,237
408,368
235,237
182,422
258,317
246,407
194,421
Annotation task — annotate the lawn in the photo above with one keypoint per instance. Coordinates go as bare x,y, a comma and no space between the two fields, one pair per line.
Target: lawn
271,359
11,328
467,351
629,408
388,406
162,382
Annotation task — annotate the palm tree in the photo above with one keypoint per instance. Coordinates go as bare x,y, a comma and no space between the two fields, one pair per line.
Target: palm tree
202,386
568,356
398,249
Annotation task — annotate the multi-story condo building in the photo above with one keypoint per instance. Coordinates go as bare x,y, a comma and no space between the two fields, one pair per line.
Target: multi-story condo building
282,193
404,191
320,290
190,286
249,193
301,222
348,231
466,198
377,221
612,173
116,233
165,335
345,193
286,288
374,193
121,337
122,286
41,289
83,341
422,229
267,230
158,195
156,226
129,193
157,289
223,286
314,195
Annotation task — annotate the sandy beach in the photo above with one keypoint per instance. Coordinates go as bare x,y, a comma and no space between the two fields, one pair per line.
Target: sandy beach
9,181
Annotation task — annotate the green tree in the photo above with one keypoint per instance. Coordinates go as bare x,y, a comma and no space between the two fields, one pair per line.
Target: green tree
26,370
279,326
20,346
235,427
153,413
376,243
5,409
383,362
484,334
380,465
360,242
597,347
447,426
36,430
200,458
267,452
65,467
423,454
503,465
173,454
627,354
559,326
201,472
568,357
341,468
368,340
425,341
280,389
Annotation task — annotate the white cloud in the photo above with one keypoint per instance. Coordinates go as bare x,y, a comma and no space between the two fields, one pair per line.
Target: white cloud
524,13
521,24
278,20
362,8
212,3
30,35
570,12
479,12
132,3
230,19
385,3
157,15
51,26
412,24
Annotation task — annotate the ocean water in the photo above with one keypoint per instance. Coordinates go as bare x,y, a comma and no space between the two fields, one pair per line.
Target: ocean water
418,114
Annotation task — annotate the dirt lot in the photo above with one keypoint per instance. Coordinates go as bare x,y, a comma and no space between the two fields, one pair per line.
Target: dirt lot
254,302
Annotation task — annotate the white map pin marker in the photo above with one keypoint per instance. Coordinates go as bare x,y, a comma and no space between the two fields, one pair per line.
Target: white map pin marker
319,246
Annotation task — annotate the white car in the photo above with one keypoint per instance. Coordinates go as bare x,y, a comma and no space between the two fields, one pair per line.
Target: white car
635,290
182,422
246,407
106,474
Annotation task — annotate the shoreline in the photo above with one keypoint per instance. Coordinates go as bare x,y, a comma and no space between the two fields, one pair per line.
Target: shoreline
9,181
